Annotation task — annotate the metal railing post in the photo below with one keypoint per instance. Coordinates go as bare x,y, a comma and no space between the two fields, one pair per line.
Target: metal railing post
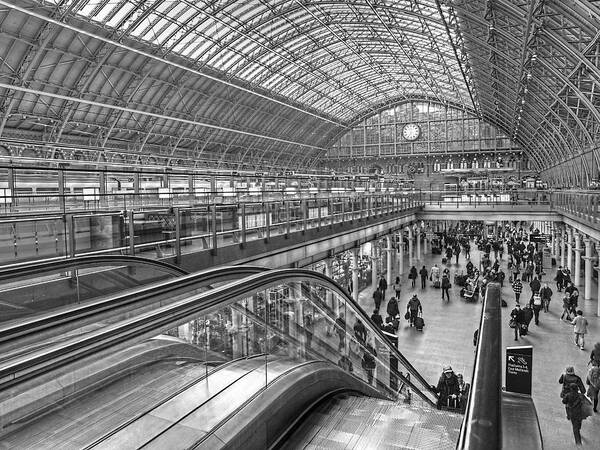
131,232
177,213
243,212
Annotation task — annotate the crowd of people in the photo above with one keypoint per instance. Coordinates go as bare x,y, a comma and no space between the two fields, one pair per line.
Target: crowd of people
532,289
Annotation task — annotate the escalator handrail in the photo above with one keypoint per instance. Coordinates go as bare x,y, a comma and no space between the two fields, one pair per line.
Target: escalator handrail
148,324
21,270
482,426
59,318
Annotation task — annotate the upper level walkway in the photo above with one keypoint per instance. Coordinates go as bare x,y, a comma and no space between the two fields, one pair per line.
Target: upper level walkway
294,228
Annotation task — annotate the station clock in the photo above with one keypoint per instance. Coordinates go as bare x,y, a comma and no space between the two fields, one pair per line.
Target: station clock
411,131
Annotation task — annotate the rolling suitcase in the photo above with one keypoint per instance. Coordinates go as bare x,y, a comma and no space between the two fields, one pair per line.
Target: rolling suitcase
419,323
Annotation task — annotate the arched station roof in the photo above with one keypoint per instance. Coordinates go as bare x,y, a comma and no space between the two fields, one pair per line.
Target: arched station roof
275,82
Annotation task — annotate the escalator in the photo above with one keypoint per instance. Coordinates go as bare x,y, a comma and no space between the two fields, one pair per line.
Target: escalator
259,324
269,360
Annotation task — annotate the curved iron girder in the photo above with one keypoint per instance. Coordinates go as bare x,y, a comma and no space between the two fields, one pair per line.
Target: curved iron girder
575,54
256,41
147,113
530,131
282,14
539,100
337,60
46,33
498,52
253,92
552,93
424,17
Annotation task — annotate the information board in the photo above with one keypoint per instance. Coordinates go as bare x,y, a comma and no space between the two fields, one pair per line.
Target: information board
519,365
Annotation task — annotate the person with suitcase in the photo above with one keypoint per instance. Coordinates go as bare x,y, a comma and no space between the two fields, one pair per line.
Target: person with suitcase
392,307
448,388
414,308
419,322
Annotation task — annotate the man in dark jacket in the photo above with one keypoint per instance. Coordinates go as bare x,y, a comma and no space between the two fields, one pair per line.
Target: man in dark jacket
445,287
572,402
413,308
423,273
517,316
447,387
527,316
559,279
535,286
377,297
392,307
376,318
382,286
546,294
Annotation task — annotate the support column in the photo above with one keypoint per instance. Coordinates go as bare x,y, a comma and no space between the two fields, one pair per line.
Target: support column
588,269
410,246
418,237
329,272
563,250
355,273
577,270
400,254
390,262
569,250
374,277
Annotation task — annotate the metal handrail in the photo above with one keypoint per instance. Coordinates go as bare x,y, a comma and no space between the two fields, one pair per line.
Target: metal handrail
482,425
21,270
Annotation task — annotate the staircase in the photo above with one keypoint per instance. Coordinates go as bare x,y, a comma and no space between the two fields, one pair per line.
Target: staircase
351,422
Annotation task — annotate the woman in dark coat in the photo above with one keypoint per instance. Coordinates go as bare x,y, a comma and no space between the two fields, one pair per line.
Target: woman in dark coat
572,400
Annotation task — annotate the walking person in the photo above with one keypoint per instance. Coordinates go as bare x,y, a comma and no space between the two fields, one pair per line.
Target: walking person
559,279
412,275
446,287
517,287
382,286
501,276
516,319
593,382
566,314
573,405
423,273
392,308
536,304
413,308
580,324
546,295
568,378
535,286
397,287
377,298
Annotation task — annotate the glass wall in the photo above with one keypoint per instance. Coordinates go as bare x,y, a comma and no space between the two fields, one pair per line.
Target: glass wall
441,129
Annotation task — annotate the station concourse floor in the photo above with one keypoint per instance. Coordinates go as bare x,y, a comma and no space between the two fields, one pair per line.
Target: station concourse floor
448,339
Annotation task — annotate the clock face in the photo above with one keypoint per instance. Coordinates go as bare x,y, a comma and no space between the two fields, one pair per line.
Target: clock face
411,131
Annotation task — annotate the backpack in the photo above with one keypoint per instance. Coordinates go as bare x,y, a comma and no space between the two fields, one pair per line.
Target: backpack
594,377
537,300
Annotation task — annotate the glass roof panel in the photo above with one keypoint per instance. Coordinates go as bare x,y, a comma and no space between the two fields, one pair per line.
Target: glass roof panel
306,50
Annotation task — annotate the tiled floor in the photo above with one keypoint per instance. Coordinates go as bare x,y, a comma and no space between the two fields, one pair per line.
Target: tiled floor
448,339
